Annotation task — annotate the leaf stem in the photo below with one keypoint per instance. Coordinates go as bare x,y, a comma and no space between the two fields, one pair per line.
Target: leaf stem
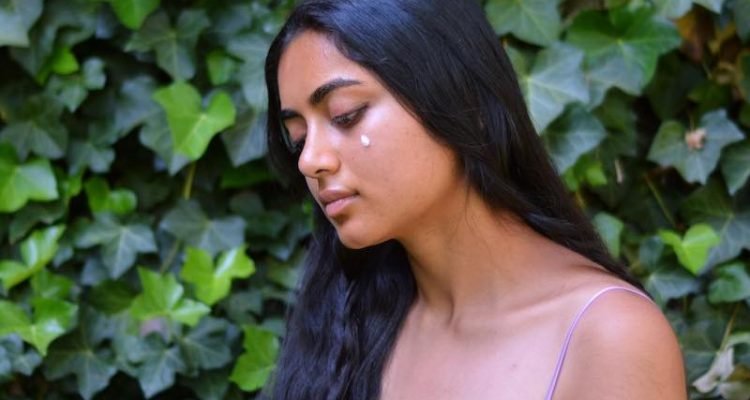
655,191
580,200
187,188
170,257
730,325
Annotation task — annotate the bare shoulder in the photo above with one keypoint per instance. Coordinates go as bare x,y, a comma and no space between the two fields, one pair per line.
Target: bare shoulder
623,348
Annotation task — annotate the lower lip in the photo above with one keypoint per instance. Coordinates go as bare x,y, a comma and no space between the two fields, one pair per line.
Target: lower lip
337,207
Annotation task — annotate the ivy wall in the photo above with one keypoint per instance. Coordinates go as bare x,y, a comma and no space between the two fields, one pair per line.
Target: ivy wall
147,251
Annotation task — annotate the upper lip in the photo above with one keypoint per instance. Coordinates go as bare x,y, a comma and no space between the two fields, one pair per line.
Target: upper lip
328,196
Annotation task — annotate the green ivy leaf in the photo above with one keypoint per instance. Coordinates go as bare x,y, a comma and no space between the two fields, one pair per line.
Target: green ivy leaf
732,283
251,49
587,170
554,80
41,246
37,128
246,140
712,5
80,353
63,24
622,46
158,365
21,182
51,319
192,128
673,8
132,13
254,366
221,67
742,18
157,136
163,297
206,345
13,357
610,228
112,297
48,285
710,95
63,62
667,283
674,80
212,282
16,18
692,250
102,199
210,385
36,252
571,136
735,165
83,154
190,224
72,90
695,162
534,21
121,243
174,46
134,104
710,204
29,216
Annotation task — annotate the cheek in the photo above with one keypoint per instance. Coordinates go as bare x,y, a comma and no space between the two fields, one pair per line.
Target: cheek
312,185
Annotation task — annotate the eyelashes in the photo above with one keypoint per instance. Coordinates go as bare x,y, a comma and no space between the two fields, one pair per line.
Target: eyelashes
343,121
349,119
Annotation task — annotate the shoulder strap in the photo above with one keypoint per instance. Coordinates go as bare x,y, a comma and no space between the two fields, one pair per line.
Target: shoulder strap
571,330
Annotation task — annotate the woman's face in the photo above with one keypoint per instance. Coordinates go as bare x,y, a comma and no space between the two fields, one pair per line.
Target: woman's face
370,165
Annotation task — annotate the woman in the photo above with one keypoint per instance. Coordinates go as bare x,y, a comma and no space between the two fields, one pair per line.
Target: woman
447,261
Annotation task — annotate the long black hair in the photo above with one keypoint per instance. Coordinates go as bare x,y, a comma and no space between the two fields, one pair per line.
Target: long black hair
443,62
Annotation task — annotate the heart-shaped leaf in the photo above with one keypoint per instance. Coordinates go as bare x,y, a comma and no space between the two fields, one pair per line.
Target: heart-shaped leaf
554,80
189,223
192,127
573,135
162,296
694,154
622,46
51,318
732,284
132,13
212,282
121,243
534,21
255,366
36,251
21,182
16,17
692,249
102,199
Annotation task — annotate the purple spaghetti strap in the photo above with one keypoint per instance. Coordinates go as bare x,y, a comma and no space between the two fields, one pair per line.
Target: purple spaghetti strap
571,330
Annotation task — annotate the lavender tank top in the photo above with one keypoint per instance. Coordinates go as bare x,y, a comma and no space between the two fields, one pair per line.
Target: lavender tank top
571,330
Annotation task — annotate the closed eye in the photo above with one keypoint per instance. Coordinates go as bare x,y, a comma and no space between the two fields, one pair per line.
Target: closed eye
297,146
349,119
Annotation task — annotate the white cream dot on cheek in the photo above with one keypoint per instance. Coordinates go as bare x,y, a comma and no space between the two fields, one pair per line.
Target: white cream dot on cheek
365,140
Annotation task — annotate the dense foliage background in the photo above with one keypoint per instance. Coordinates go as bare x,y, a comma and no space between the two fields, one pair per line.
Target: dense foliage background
146,250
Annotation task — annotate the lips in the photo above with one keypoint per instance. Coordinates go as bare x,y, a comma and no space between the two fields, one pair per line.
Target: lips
334,200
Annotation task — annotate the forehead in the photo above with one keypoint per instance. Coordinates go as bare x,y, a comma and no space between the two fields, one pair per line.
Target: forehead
310,60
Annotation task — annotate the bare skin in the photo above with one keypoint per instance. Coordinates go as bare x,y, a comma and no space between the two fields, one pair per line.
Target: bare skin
494,297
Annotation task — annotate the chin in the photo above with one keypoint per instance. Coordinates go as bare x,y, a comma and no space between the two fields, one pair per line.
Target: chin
357,239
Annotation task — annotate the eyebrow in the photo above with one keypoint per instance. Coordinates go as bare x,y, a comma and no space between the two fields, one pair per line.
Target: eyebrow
320,94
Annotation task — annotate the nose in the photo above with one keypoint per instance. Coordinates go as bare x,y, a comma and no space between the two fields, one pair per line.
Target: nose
319,156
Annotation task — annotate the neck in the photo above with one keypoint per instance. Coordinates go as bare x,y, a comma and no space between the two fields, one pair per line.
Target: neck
472,260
